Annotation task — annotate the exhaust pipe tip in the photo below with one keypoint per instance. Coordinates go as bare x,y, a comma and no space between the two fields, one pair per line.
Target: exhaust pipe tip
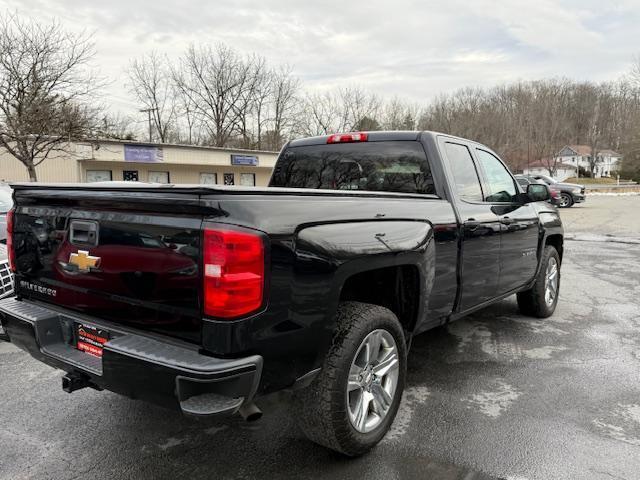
250,412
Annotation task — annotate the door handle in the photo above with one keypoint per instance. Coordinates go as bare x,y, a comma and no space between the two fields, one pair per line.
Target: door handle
83,232
472,224
506,221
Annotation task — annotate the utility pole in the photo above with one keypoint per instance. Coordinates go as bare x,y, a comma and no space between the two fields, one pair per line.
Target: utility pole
148,112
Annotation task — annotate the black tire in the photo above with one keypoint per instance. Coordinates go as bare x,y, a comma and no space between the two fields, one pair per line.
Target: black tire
566,200
322,406
532,302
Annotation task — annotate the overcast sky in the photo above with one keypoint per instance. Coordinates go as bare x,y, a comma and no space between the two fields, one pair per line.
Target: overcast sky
412,49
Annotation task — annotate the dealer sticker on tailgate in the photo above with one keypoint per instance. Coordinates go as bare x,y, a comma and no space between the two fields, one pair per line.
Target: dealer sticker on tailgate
91,339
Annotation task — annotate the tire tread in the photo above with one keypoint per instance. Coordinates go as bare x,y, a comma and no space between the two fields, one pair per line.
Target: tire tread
320,411
531,302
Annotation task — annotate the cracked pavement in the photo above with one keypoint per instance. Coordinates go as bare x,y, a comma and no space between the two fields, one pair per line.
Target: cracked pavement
495,395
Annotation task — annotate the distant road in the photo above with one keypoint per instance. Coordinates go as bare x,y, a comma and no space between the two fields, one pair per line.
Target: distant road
604,214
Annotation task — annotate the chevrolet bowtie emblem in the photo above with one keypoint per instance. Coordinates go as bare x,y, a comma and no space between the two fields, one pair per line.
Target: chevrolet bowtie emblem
84,261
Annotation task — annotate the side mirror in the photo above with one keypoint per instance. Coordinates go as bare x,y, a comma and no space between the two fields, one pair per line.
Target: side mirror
538,192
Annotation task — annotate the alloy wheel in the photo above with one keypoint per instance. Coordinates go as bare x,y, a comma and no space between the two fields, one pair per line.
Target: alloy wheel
551,281
373,380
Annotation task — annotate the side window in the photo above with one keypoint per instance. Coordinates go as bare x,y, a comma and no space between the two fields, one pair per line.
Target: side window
464,172
501,185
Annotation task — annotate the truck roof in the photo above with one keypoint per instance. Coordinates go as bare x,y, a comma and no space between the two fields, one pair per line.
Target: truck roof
378,136
375,136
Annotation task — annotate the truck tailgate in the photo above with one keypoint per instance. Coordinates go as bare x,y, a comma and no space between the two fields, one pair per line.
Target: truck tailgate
129,256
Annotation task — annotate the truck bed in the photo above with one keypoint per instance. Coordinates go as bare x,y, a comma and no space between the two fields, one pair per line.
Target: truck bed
149,245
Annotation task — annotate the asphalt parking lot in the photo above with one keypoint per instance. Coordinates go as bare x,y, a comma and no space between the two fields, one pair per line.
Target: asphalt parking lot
495,395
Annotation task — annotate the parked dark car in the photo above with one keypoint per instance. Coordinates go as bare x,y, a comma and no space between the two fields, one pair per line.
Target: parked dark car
204,298
554,194
570,193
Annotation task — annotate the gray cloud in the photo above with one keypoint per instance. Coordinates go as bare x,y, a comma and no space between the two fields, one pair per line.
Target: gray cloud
411,49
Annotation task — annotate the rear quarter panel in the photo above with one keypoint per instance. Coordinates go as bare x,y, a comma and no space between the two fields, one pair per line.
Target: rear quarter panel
317,242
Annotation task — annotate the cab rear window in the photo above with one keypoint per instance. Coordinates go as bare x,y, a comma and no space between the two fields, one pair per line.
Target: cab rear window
399,166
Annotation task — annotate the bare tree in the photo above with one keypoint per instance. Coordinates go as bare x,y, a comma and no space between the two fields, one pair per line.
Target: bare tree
355,105
317,115
151,83
400,115
342,110
550,128
188,122
260,102
284,100
524,122
117,126
634,74
44,83
215,81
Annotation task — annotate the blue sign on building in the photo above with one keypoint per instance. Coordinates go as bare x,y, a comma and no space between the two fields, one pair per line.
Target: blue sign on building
250,160
143,153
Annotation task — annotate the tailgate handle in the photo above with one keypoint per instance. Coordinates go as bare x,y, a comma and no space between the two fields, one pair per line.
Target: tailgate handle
83,232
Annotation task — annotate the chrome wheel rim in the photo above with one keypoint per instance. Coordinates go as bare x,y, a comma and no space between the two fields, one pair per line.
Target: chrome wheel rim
564,200
373,380
551,281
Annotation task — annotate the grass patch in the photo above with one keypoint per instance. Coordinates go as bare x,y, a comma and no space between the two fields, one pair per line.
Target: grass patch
590,181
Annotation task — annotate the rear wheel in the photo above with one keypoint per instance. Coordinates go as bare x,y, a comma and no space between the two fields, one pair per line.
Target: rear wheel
352,402
566,200
541,300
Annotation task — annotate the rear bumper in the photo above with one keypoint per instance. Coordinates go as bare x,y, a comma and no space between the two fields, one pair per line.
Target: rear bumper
171,374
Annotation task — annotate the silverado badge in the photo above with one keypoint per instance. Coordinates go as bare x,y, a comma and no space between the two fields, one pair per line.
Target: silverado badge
84,261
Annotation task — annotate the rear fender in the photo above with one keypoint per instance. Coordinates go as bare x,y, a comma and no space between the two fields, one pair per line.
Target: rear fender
326,255
550,224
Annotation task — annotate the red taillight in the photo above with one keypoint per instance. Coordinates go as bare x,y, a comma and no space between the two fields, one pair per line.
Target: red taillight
233,272
348,137
10,250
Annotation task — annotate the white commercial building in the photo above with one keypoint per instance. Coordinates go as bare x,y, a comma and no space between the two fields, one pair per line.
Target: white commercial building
100,160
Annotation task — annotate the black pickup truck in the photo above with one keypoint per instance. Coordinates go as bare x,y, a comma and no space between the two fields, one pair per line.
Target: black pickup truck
204,298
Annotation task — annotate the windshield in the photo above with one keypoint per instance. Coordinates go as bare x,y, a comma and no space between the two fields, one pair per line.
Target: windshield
6,202
547,180
399,166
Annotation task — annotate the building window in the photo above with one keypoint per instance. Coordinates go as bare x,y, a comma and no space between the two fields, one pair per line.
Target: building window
99,176
159,177
228,179
130,175
248,179
208,178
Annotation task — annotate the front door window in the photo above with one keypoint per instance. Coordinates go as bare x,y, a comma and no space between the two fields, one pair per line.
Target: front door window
501,185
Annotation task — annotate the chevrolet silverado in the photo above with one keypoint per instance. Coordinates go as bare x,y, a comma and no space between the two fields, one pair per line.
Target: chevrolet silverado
205,298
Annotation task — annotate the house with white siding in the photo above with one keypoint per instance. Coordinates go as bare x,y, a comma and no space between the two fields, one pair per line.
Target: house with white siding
606,165
541,167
